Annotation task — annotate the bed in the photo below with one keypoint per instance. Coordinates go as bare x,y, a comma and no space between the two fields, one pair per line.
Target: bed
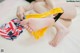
27,44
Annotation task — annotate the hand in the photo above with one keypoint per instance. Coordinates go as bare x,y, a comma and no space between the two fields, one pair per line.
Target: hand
20,12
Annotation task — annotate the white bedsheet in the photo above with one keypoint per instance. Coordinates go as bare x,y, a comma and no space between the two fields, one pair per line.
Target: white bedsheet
27,44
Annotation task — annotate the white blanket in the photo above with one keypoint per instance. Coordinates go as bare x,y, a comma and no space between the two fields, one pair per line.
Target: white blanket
27,44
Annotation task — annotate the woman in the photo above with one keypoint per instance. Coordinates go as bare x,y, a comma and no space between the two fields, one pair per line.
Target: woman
61,25
65,19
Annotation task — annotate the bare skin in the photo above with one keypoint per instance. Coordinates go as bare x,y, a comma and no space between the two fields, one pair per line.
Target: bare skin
61,30
66,18
34,24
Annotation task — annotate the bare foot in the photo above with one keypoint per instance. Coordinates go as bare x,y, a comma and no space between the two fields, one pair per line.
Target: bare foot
36,24
59,36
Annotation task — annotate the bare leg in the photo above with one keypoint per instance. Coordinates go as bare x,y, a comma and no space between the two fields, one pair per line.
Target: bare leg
61,29
36,24
61,33
33,24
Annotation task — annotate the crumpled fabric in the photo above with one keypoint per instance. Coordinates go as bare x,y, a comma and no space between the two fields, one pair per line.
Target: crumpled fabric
11,30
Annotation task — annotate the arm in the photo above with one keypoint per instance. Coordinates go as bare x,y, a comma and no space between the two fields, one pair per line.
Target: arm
21,10
41,7
50,3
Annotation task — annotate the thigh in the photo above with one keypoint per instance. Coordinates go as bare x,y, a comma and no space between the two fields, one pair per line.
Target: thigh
66,23
69,10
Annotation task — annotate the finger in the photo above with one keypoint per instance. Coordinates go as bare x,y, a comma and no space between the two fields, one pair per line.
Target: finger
22,15
25,26
18,15
29,28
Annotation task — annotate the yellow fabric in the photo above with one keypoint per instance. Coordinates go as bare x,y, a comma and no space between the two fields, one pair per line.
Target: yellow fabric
45,14
40,33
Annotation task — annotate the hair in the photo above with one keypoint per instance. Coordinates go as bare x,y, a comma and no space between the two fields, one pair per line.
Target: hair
30,0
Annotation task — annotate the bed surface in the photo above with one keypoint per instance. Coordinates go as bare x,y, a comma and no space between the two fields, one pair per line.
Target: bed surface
27,44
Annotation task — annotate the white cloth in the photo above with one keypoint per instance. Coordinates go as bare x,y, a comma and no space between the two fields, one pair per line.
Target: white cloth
27,44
